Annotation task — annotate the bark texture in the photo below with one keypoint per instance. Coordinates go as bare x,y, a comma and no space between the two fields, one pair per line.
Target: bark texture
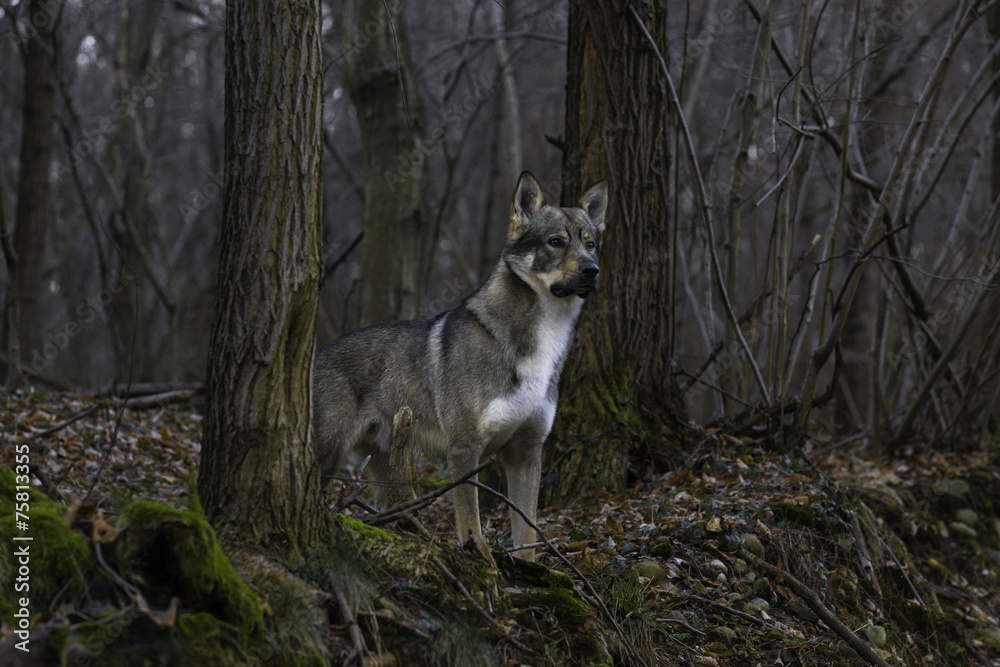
259,480
400,233
619,401
34,200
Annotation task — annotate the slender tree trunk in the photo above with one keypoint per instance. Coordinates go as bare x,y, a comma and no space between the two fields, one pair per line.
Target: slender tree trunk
993,29
746,131
12,314
259,480
507,157
400,233
135,222
33,214
619,399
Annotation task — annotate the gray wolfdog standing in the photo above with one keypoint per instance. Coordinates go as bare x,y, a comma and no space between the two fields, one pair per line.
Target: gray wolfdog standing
481,379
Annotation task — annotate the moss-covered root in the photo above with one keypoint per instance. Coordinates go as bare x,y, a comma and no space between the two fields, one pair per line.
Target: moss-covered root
174,553
36,569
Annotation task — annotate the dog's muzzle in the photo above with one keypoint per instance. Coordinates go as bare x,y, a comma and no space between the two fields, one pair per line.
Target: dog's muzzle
581,283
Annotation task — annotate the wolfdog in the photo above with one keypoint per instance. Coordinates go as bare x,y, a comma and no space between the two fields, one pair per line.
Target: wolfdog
481,379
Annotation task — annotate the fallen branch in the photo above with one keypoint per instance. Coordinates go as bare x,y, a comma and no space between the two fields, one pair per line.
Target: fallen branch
482,611
735,612
800,589
594,599
123,390
420,502
353,629
158,400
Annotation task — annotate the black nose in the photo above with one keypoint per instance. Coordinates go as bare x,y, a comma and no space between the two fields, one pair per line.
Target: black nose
590,271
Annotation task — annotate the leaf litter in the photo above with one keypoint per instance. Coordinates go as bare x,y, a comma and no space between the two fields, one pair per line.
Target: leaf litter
904,551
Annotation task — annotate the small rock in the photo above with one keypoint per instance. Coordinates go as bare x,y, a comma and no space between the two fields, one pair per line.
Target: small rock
967,516
962,529
740,566
761,586
650,570
753,544
756,605
958,487
877,635
662,549
718,566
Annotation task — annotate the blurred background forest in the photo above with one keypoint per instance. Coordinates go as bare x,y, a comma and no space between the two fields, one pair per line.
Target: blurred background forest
850,154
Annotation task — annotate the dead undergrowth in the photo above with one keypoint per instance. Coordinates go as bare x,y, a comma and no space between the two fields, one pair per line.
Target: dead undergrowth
741,557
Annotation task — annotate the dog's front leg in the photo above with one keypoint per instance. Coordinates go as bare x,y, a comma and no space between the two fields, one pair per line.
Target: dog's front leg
465,497
523,467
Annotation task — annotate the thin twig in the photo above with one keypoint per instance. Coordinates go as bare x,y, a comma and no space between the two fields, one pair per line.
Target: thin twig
399,65
594,598
426,499
800,589
133,592
716,266
355,488
58,427
735,612
353,629
482,611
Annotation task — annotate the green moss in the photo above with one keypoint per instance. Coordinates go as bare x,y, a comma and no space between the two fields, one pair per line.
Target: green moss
559,601
56,554
173,552
557,579
100,644
362,530
204,639
456,643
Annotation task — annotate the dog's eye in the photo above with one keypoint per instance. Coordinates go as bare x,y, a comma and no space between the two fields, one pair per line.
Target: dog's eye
591,245
556,242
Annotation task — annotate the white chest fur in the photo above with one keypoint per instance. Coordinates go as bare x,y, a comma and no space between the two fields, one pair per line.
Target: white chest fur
535,372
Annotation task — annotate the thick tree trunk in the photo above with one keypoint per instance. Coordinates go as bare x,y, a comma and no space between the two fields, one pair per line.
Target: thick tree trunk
34,201
400,233
619,400
259,481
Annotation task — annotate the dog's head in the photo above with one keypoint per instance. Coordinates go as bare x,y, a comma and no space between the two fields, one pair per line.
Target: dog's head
554,249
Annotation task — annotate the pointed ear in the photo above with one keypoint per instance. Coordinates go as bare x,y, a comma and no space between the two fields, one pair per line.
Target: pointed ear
595,203
527,201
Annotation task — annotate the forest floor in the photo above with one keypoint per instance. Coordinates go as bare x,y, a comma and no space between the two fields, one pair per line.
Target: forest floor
740,557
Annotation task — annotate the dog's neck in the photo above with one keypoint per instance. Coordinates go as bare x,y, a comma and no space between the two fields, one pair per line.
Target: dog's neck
506,301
